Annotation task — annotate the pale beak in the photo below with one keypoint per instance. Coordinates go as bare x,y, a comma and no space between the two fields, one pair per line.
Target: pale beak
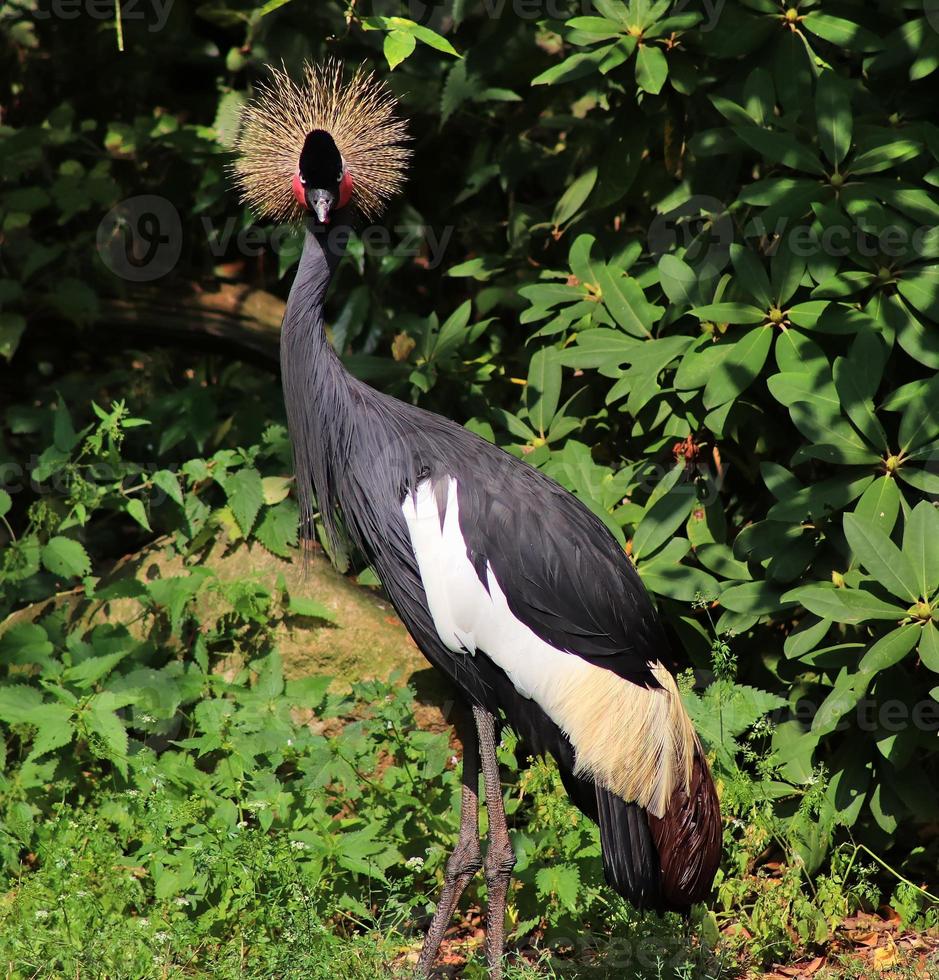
321,203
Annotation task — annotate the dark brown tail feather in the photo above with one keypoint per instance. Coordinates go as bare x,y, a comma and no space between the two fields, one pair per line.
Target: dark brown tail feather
630,862
688,839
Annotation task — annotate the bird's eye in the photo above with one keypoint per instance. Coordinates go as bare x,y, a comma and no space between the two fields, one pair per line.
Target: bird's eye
302,180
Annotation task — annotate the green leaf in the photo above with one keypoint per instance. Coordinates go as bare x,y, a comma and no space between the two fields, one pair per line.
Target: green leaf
625,300
806,637
880,504
575,197
54,728
600,348
6,502
398,45
561,881
833,113
245,493
581,260
928,648
920,420
919,340
921,547
662,520
138,512
756,598
87,673
678,279
600,28
543,389
807,314
277,530
881,557
168,482
890,649
844,33
739,368
677,581
102,722
781,148
730,313
856,401
884,156
18,703
431,38
751,275
25,643
12,326
66,558
843,605
921,290
401,25
651,68
576,66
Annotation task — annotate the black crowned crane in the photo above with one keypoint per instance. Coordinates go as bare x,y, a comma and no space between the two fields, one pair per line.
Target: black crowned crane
508,583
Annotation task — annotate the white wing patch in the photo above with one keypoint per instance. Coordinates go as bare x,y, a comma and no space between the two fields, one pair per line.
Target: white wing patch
634,740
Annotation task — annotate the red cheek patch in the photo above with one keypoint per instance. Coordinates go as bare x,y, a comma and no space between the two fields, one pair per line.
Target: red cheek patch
299,191
346,187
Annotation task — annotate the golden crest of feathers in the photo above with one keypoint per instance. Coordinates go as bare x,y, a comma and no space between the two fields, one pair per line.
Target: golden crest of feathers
358,114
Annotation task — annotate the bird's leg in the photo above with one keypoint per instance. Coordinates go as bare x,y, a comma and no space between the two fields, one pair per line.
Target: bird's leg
465,860
500,858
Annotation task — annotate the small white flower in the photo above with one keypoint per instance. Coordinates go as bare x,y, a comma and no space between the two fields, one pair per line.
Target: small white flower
298,845
389,725
289,741
42,913
143,923
453,760
181,902
161,937
414,862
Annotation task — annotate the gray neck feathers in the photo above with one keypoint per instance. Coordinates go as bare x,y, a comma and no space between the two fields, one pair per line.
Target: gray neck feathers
317,388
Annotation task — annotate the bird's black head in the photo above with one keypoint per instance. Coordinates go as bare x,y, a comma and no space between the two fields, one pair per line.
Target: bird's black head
323,181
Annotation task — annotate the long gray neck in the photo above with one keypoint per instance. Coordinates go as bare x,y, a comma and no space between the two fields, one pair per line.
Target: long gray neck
317,388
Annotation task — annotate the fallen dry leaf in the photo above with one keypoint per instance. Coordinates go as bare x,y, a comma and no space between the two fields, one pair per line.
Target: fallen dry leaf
885,956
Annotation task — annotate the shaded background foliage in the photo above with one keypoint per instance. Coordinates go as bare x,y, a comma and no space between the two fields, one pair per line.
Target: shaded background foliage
683,258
